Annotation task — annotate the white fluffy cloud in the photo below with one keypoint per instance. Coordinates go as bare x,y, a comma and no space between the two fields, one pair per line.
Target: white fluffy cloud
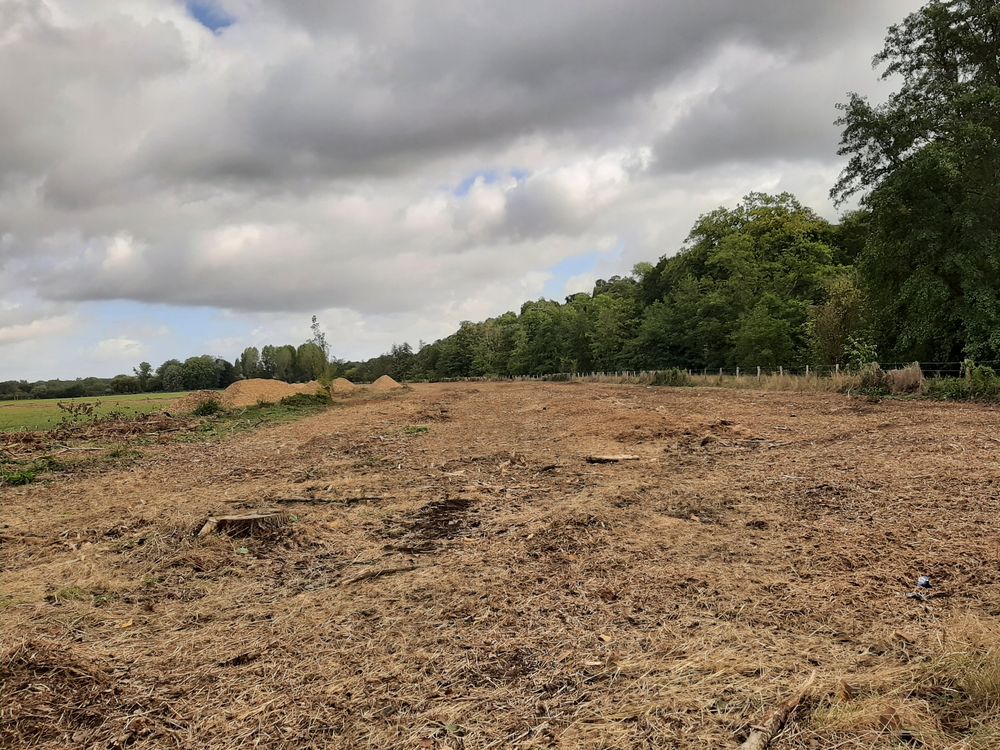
398,166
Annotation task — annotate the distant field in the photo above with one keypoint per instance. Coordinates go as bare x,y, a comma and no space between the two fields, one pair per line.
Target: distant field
42,414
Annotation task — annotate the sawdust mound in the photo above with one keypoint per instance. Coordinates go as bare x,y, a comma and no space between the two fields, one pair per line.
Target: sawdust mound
342,385
244,393
192,401
255,391
385,383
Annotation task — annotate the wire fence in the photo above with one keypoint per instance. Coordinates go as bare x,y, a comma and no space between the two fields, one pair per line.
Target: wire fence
929,370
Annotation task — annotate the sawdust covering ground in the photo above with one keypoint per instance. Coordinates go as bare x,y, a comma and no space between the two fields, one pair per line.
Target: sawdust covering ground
479,584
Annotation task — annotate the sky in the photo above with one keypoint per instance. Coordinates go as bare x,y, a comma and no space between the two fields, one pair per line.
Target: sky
179,178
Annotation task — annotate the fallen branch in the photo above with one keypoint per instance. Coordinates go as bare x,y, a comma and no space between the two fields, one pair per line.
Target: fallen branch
762,735
348,501
611,459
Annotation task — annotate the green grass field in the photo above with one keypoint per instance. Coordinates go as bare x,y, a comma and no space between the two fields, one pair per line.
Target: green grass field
44,414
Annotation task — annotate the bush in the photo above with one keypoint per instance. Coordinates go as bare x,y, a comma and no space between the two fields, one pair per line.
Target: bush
673,377
859,353
207,408
984,383
306,399
948,389
872,380
980,383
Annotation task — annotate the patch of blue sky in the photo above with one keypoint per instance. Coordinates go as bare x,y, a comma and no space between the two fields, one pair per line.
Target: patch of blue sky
210,15
162,327
555,287
489,177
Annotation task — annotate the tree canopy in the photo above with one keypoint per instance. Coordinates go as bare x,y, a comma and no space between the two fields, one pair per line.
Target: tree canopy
925,163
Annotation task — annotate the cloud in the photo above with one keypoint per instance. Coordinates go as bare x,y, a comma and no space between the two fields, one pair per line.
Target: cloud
120,349
278,158
36,329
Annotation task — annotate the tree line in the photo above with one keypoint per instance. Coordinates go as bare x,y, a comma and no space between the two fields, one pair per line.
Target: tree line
294,364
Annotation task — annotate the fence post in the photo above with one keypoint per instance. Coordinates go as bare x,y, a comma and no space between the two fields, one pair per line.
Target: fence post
807,371
758,372
836,369
737,372
720,373
781,370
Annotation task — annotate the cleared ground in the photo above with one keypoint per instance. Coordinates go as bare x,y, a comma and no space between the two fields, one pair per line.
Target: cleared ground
479,584
44,414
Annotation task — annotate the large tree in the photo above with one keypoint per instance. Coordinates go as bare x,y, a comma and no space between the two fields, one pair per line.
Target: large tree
143,375
740,293
250,362
925,163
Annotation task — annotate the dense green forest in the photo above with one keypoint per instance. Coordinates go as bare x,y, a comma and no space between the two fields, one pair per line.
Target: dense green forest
913,274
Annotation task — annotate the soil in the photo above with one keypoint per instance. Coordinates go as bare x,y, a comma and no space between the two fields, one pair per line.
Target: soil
479,584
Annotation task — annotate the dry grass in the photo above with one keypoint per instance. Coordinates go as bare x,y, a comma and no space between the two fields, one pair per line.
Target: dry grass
904,381
812,383
947,694
480,585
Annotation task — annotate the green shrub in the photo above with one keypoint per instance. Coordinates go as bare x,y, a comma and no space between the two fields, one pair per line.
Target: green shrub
979,383
872,380
673,377
860,353
207,408
306,399
16,478
948,389
984,383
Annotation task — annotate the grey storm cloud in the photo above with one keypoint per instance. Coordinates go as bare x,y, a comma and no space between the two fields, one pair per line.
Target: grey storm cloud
381,90
307,155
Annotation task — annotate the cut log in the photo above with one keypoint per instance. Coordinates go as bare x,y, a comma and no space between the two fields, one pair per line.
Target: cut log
762,735
346,501
612,459
245,524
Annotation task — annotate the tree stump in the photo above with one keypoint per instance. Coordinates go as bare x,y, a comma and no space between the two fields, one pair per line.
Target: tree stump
258,523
